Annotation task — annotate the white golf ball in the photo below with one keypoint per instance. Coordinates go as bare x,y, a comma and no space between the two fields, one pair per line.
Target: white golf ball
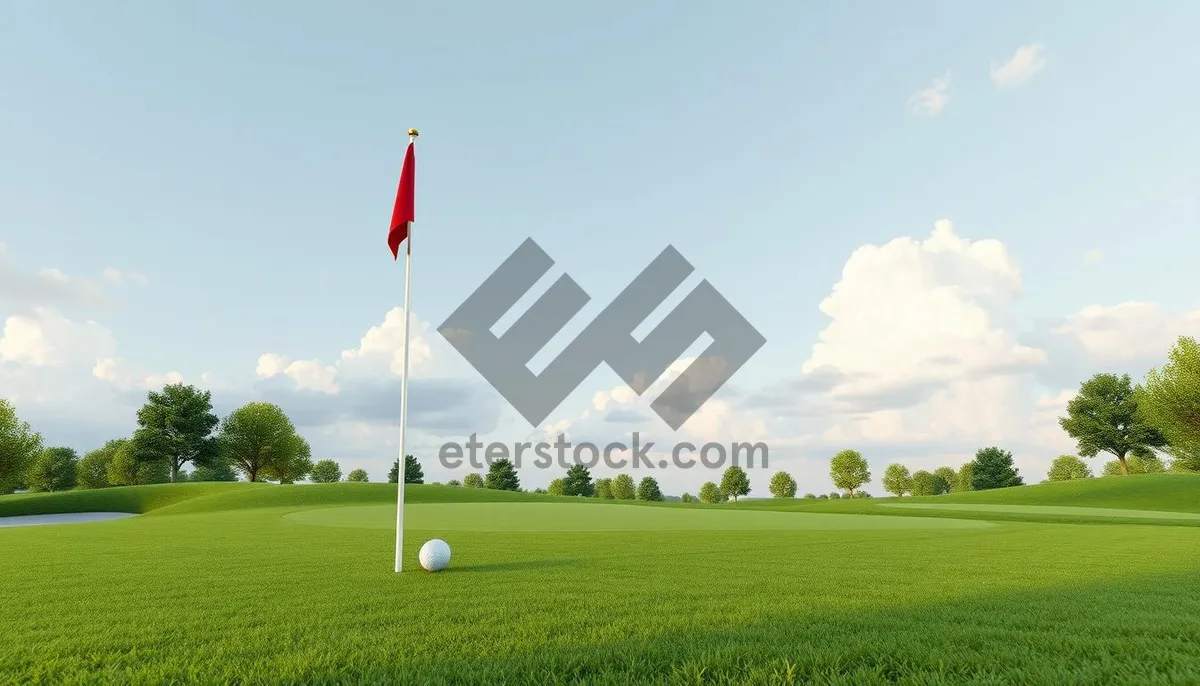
435,555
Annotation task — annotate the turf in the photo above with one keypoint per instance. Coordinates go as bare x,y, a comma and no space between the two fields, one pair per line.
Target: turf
263,584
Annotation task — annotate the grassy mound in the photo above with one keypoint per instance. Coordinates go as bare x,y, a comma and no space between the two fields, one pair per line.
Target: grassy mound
216,497
1162,492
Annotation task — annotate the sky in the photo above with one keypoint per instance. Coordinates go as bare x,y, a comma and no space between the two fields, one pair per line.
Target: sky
941,217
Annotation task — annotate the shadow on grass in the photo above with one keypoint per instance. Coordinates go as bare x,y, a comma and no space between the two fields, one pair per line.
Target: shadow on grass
517,565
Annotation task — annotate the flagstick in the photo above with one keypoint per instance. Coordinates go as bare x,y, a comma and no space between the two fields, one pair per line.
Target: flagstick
400,465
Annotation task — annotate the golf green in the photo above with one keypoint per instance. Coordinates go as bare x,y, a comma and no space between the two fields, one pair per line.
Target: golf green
522,517
1048,510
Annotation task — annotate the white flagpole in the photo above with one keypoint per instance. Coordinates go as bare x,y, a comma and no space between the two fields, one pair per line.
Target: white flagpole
412,138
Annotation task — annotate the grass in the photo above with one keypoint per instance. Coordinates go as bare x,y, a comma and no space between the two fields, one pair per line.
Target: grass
245,584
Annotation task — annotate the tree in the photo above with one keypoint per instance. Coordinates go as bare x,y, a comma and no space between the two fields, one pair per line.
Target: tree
175,425
413,474
711,493
810,496
604,489
823,496
783,485
735,482
862,494
258,438
502,476
966,476
1104,417
294,467
579,481
849,470
687,498
557,487
52,470
923,483
648,490
993,468
836,495
896,479
326,472
92,470
623,488
1068,467
19,447
358,476
946,478
473,480
1170,398
128,468
1184,459
1135,465
219,470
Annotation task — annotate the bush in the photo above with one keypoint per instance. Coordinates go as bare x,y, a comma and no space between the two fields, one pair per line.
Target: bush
687,498
810,496
835,496
1069,467
473,480
358,476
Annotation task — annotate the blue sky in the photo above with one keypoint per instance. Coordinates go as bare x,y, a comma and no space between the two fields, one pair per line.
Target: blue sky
242,159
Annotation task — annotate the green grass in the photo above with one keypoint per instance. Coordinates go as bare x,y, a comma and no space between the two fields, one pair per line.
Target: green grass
242,584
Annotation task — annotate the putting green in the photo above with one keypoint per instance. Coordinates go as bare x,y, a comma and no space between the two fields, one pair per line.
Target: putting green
517,517
1050,510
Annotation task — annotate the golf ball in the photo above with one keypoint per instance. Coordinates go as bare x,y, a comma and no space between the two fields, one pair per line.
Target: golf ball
435,555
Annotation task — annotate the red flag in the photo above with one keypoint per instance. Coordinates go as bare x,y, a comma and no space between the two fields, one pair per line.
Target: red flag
403,213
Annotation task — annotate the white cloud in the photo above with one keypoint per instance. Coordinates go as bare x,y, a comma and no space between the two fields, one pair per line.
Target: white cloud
114,275
1128,332
48,287
46,338
930,101
307,374
1025,62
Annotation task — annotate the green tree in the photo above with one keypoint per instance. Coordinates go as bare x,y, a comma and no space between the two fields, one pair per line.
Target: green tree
945,479
896,479
127,468
326,472
966,478
1170,398
783,485
1104,417
1068,467
711,493
473,480
810,496
993,468
258,437
413,474
1184,459
923,483
92,470
1135,465
294,467
687,498
849,470
557,487
836,495
735,482
823,496
358,476
604,489
623,487
19,447
53,470
175,426
218,470
648,490
579,482
502,476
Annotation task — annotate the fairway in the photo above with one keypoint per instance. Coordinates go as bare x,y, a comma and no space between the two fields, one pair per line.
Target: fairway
262,584
528,517
1048,510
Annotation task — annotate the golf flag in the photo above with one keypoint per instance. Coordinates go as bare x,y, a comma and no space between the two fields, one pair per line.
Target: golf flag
403,213
400,231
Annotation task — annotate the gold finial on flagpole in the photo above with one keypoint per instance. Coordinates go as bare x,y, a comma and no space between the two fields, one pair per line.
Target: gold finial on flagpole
413,133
